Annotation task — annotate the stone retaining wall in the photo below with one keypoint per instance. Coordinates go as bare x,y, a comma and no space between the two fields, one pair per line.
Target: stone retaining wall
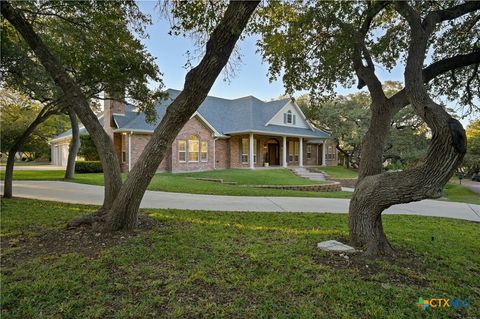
345,182
330,187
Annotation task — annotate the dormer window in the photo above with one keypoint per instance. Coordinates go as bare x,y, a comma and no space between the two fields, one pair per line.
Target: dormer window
289,118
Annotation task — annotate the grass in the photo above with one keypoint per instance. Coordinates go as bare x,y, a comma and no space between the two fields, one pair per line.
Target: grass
186,182
241,265
454,192
3,162
338,171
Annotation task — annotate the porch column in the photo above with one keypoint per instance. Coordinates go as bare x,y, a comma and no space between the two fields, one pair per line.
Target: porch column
250,152
300,155
323,153
284,152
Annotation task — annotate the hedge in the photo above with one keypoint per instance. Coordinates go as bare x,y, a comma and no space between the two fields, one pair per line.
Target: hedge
88,167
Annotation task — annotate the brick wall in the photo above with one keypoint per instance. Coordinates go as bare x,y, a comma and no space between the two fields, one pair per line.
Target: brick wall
222,154
193,127
139,141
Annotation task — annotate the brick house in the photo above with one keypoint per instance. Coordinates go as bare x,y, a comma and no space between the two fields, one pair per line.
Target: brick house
239,133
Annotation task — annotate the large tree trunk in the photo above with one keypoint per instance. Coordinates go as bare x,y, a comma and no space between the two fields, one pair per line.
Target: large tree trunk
376,191
74,146
374,194
16,147
76,99
198,82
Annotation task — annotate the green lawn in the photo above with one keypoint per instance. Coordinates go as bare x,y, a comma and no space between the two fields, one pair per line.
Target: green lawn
186,182
231,265
338,171
454,192
3,163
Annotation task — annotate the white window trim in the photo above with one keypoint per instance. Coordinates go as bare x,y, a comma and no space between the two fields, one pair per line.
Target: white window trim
242,153
289,117
309,151
206,152
291,147
185,151
296,151
198,152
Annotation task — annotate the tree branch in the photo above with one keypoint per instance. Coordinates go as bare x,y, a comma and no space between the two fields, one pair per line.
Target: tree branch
436,69
454,12
366,74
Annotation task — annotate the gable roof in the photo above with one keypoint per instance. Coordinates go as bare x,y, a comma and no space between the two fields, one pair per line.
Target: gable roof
243,115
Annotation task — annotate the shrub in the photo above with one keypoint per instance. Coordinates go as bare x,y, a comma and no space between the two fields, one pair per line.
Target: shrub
87,149
394,167
88,167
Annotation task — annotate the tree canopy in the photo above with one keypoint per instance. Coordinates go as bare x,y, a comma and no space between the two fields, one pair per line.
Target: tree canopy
104,53
472,158
312,45
17,112
348,118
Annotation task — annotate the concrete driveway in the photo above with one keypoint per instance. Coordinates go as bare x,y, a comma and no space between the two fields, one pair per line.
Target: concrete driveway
91,194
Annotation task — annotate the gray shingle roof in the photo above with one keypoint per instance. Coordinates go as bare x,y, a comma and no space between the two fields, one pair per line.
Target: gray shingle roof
242,115
82,130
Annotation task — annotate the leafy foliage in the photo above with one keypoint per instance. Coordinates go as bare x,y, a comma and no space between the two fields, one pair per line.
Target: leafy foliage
87,149
103,53
17,112
348,118
310,44
471,161
88,167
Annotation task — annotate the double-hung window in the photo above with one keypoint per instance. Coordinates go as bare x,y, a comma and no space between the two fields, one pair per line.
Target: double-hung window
297,148
331,153
289,118
193,148
244,151
182,151
309,151
204,151
290,151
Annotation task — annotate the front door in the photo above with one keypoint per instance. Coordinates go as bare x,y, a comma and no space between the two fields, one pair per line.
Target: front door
319,154
273,154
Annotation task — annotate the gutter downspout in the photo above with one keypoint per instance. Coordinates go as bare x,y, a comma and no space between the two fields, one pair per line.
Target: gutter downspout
130,151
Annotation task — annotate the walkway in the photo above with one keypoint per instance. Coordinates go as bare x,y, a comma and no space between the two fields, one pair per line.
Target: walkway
305,173
315,176
91,194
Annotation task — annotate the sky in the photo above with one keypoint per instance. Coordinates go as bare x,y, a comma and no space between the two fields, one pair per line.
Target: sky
251,77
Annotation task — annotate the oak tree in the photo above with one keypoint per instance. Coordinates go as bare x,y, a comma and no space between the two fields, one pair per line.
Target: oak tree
317,45
93,50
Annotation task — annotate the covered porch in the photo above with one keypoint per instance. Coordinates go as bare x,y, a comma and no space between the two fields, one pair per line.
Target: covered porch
260,150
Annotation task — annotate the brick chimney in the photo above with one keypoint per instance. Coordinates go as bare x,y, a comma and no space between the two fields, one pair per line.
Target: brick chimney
112,105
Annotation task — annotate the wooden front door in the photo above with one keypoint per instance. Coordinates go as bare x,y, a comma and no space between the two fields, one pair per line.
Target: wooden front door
273,154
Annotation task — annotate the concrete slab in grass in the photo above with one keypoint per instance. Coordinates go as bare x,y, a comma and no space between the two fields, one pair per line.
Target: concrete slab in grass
335,246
